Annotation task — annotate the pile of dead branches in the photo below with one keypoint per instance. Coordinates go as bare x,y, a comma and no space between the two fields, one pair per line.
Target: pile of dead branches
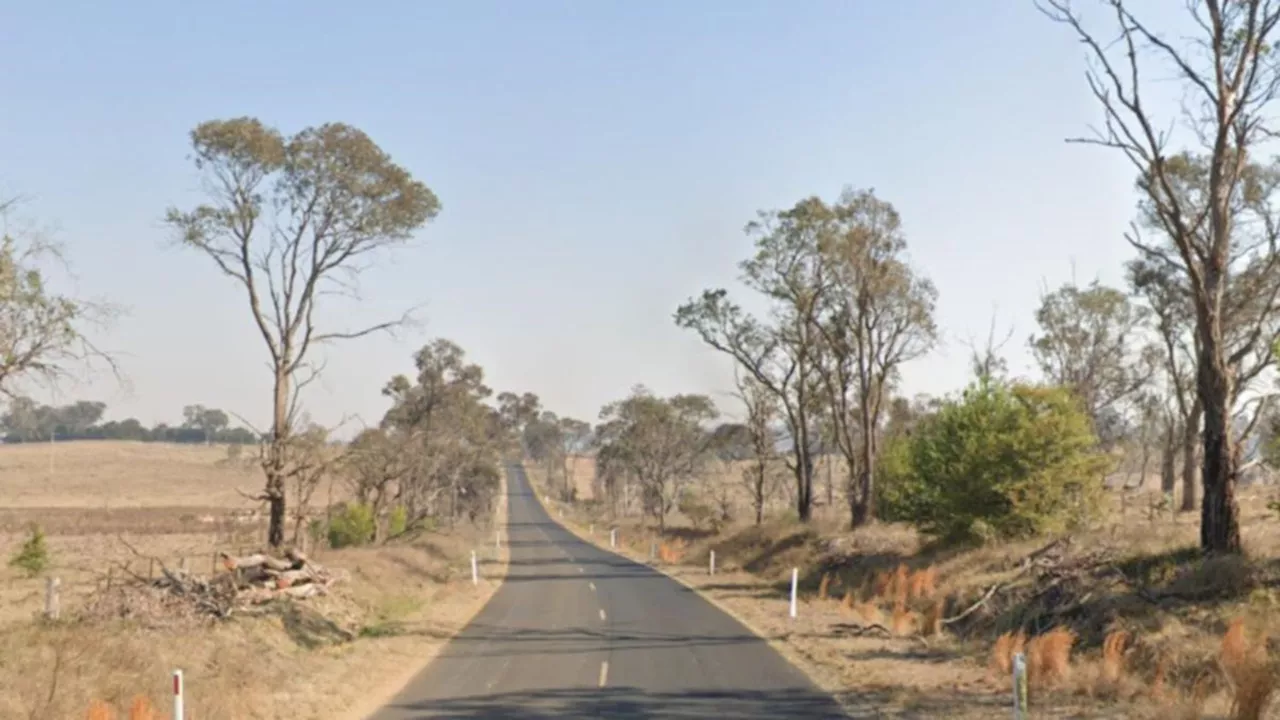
176,595
261,578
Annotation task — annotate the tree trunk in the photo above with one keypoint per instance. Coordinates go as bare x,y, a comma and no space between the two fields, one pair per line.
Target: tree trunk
864,509
804,485
276,459
1168,462
1190,434
1219,514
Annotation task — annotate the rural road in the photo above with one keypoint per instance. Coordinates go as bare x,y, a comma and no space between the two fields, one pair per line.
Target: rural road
578,632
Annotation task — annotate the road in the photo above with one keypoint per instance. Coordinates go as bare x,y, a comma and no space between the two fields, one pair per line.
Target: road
578,632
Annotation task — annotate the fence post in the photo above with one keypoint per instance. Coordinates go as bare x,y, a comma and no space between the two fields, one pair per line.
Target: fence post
1019,686
178,689
653,549
475,569
795,581
713,562
613,537
52,606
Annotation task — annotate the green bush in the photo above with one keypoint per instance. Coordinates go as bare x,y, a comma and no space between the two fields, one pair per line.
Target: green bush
692,507
397,521
352,525
1002,461
33,555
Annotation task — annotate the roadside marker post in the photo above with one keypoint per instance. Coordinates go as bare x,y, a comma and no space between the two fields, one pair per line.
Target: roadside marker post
713,562
178,690
613,537
475,569
795,581
1019,686
653,550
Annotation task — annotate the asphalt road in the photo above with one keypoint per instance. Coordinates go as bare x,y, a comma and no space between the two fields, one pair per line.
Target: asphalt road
578,632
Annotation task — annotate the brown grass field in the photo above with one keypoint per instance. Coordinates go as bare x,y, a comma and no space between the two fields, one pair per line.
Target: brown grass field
1123,621
109,507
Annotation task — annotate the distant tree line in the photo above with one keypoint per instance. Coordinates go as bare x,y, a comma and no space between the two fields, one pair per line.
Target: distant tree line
29,421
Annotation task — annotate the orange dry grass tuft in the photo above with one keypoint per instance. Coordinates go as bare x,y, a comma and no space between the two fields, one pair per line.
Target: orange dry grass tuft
1049,656
1234,653
1252,678
869,613
901,585
1255,683
824,587
99,710
847,602
142,709
932,626
923,584
903,622
1007,645
1157,683
1113,647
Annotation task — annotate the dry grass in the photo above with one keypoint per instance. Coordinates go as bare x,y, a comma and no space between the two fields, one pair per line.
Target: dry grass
1049,657
123,474
349,650
1113,648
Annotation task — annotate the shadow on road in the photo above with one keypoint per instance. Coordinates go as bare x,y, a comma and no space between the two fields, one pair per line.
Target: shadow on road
626,703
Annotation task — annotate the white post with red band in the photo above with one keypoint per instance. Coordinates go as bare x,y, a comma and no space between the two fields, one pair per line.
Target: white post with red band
177,695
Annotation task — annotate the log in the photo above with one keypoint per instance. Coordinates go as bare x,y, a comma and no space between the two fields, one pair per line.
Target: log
297,557
257,560
290,578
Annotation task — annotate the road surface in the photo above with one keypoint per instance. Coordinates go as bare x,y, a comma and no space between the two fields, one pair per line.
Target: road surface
578,632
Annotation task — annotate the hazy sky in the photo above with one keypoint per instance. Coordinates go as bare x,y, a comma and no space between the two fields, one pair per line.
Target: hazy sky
596,162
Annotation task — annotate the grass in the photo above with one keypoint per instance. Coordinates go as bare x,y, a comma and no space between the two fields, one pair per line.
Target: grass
1134,628
337,656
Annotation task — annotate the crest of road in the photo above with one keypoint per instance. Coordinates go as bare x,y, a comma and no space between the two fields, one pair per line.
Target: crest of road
579,632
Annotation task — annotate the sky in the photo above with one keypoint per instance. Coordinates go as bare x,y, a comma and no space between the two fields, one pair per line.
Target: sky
596,164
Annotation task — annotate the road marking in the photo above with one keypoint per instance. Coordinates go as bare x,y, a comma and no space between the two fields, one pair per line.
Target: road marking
581,570
591,585
604,673
602,614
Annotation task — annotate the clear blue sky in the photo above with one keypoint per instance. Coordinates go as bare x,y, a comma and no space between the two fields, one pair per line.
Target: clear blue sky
596,162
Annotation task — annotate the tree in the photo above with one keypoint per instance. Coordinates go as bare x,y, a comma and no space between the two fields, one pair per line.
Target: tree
452,441
783,355
1090,343
762,411
661,442
877,315
1168,299
575,439
209,421
1232,78
42,333
999,462
293,220
376,464
517,412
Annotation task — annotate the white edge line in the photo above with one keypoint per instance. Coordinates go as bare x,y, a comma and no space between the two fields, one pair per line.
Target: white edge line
604,673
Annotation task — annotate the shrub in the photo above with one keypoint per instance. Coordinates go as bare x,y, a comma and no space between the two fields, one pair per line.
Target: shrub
397,521
1002,461
698,512
33,555
352,525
